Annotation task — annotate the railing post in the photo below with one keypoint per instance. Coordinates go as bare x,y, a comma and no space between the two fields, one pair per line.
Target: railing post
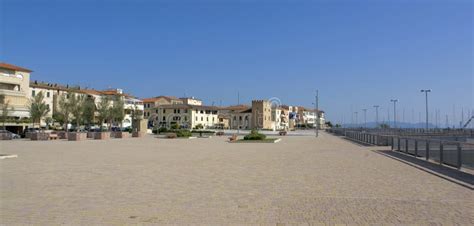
427,150
441,147
416,148
398,144
459,156
406,145
393,146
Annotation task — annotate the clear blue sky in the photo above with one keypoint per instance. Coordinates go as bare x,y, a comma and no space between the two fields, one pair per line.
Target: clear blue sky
356,53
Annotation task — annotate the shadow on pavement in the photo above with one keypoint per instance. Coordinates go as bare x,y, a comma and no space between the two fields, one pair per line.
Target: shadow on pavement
447,173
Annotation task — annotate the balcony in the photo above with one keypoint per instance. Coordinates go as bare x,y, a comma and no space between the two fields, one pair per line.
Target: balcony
8,92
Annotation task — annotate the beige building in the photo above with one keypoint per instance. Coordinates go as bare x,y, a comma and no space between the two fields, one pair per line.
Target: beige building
187,116
150,111
15,89
191,101
239,116
261,115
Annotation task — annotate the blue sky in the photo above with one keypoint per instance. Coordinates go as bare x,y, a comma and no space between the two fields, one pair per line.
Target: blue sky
356,53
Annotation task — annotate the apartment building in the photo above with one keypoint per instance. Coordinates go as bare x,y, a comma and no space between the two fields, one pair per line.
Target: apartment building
239,116
187,116
150,106
191,101
15,89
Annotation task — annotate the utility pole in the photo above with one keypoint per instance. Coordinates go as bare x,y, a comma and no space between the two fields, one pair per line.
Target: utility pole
365,117
426,91
394,112
376,115
317,113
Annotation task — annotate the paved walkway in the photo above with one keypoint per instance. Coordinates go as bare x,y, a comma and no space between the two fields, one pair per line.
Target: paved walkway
208,181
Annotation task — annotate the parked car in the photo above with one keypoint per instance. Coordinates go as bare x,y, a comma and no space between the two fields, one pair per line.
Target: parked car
12,135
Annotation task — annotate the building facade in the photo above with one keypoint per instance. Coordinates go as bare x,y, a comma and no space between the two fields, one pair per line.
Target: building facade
187,116
15,89
261,115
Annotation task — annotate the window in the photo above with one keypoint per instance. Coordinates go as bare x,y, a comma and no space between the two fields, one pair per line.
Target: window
240,118
179,111
196,118
164,118
164,111
174,111
47,106
202,118
33,93
185,110
185,118
156,111
207,119
47,94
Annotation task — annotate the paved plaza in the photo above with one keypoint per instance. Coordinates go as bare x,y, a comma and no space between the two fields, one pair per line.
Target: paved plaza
147,180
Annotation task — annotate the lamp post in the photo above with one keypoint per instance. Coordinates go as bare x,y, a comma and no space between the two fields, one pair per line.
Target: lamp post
317,113
376,115
365,117
394,112
426,91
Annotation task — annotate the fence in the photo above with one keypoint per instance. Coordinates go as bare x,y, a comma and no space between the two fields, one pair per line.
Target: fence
444,149
451,153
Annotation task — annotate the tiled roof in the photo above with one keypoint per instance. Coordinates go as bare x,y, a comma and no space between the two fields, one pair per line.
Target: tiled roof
13,67
153,99
187,106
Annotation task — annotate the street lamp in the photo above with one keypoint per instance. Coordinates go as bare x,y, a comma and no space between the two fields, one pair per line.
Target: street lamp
394,112
376,114
365,117
426,91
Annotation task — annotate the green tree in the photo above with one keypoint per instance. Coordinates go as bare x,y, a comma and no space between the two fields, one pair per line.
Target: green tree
88,111
77,108
38,108
117,111
103,110
5,107
63,111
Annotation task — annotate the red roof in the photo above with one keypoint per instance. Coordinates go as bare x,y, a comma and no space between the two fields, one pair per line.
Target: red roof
167,98
13,67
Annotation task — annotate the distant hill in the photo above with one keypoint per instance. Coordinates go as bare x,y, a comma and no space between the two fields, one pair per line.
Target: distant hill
399,125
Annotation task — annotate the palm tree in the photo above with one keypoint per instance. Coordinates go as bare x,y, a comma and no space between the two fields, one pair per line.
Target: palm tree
37,108
5,107
103,110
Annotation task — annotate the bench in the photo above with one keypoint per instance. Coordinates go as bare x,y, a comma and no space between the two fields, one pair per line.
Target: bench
233,138
53,136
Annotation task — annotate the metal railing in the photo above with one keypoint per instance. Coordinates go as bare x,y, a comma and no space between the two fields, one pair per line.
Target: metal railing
451,153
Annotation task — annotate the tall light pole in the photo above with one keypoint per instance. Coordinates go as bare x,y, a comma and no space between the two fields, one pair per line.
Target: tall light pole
365,117
394,112
426,91
376,115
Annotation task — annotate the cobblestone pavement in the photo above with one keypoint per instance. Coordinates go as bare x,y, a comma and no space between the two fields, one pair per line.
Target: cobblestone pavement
300,180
